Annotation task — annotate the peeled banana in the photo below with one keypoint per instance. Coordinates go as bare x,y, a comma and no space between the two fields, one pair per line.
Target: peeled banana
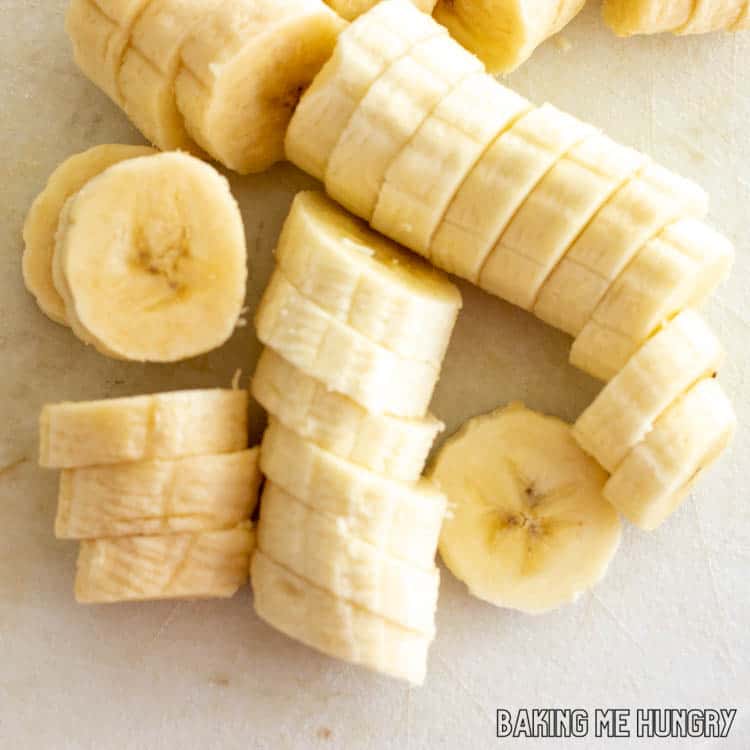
351,9
627,17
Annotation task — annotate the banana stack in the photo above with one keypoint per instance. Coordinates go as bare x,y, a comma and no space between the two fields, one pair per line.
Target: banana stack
355,331
159,489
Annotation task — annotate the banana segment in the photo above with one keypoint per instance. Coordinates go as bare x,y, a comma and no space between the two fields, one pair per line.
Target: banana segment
627,17
318,619
351,9
665,367
530,528
137,568
243,70
142,428
390,446
150,259
366,281
341,358
198,493
319,549
401,518
42,220
659,472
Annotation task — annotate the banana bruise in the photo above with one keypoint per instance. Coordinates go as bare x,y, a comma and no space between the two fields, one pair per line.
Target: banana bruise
628,17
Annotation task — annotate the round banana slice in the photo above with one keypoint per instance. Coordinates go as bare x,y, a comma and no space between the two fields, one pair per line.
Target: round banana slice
43,217
351,9
529,528
243,71
150,259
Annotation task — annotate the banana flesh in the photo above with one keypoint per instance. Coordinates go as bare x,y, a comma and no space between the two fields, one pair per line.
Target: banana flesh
627,17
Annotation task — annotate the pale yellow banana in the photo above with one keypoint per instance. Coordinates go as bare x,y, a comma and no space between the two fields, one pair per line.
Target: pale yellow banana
351,9
627,17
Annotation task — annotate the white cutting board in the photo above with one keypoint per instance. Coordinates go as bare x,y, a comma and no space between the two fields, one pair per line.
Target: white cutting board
668,626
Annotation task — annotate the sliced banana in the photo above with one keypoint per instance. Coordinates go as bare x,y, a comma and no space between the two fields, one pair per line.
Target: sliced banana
320,549
402,518
142,428
366,281
627,17
351,9
659,472
530,528
150,259
198,493
624,412
393,447
41,222
318,619
210,564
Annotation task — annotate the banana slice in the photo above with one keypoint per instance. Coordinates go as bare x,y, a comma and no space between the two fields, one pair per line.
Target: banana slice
341,358
554,214
41,222
199,493
402,518
497,186
150,259
423,178
389,115
504,33
351,9
366,281
667,365
363,52
659,472
319,549
242,74
530,528
212,564
627,17
390,446
311,615
142,428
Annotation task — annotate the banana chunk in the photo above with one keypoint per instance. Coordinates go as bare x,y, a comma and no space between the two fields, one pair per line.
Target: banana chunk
142,428
212,564
659,472
351,9
366,281
318,619
628,17
393,447
42,220
530,528
150,259
198,493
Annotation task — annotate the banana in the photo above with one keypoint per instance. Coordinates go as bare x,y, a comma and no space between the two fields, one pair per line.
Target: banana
504,33
142,428
341,358
351,9
553,215
148,272
659,472
198,493
40,226
243,70
366,281
389,115
319,549
498,184
743,21
714,15
400,518
627,17
423,178
390,446
138,568
530,528
362,53
318,619
666,366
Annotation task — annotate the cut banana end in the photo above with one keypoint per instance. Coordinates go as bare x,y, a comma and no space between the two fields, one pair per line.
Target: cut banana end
212,564
679,355
529,528
243,71
659,472
351,9
142,428
41,222
393,447
199,493
366,281
318,619
150,259
402,518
